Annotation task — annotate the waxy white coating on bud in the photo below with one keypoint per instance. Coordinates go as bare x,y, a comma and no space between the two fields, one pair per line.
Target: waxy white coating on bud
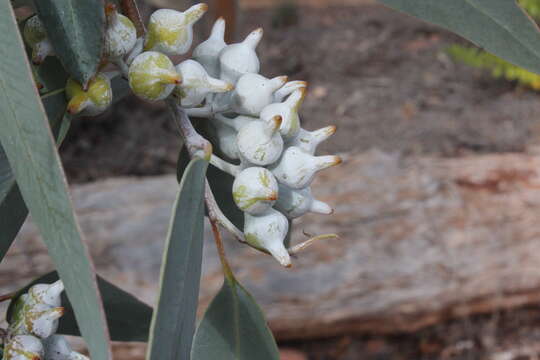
237,122
238,59
296,168
197,84
288,110
259,142
48,294
57,348
226,137
152,76
94,101
120,36
171,31
309,140
267,232
288,89
255,190
253,92
23,347
36,38
207,52
294,203
39,320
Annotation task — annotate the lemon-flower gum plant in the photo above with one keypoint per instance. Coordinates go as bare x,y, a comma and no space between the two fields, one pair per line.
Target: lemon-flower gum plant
268,160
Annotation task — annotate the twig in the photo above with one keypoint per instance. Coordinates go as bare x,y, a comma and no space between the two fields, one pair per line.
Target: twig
7,297
225,166
221,250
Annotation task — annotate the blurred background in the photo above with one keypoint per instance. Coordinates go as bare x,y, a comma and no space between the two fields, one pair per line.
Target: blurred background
437,202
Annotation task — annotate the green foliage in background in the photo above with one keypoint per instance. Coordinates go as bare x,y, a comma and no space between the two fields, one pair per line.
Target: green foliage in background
498,67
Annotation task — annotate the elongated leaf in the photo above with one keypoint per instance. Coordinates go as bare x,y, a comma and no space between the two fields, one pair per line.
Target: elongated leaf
13,211
128,318
31,151
174,322
76,29
234,328
499,26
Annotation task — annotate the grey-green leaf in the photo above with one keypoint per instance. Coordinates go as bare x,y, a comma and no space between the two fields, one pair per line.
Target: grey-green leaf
76,30
31,151
173,324
234,328
128,318
499,26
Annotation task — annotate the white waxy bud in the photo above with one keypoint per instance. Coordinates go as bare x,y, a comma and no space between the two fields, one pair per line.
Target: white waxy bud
171,31
197,84
23,347
255,190
309,140
238,59
259,142
294,203
48,294
267,232
93,101
207,52
227,130
40,320
288,110
120,36
296,168
237,122
57,348
253,92
152,76
36,38
288,89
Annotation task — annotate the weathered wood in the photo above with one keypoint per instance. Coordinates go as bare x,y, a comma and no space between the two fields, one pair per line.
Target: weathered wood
422,240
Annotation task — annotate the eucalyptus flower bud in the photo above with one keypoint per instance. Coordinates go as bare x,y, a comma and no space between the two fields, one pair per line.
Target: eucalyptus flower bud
253,92
237,122
94,101
207,52
197,84
36,38
171,31
255,190
226,137
238,59
294,203
152,76
120,36
288,89
288,110
57,348
259,142
267,232
23,347
296,168
40,320
309,140
48,294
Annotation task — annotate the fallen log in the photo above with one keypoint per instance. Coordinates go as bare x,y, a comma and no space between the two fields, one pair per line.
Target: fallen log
422,240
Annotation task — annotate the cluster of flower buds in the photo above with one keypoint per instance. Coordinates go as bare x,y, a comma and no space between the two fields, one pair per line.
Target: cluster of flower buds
256,118
31,332
258,127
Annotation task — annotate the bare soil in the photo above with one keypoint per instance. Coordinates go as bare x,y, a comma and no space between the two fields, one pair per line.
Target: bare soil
385,80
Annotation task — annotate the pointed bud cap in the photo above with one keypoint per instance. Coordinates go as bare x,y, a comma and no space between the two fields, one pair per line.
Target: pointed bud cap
253,39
